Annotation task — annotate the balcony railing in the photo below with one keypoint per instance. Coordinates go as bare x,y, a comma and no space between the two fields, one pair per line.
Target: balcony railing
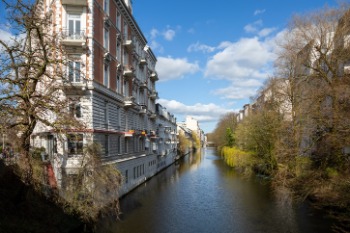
143,61
73,38
75,2
74,85
143,85
154,95
128,71
129,101
128,43
154,76
143,109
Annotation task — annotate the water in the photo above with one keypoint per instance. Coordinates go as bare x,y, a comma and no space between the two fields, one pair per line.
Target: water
201,194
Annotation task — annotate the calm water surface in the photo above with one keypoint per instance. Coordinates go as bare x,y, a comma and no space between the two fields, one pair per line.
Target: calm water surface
201,194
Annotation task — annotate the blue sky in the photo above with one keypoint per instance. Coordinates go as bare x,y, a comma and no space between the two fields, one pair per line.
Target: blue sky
214,55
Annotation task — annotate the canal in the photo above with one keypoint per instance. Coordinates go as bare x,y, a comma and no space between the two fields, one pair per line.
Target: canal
201,194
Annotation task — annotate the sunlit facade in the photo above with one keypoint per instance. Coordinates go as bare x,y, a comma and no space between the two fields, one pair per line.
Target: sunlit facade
112,78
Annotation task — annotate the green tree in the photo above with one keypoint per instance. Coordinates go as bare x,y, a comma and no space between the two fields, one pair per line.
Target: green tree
218,136
230,140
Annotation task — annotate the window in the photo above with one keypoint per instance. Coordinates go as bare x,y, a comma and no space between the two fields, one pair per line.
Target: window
126,88
126,145
106,6
75,110
106,115
74,71
75,144
126,58
106,145
106,75
119,20
119,144
119,51
126,36
74,26
118,88
106,39
126,176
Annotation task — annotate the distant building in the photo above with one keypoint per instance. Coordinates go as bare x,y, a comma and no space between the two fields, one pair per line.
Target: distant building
193,125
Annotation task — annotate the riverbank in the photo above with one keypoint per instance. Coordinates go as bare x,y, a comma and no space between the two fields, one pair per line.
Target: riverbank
325,189
22,209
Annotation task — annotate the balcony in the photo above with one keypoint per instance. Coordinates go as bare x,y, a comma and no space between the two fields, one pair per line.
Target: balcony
107,57
74,87
75,2
143,61
129,101
72,38
107,22
128,71
153,116
154,76
154,95
168,142
143,109
128,43
143,85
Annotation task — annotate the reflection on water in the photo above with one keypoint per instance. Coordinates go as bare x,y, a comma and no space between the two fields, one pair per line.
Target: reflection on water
201,194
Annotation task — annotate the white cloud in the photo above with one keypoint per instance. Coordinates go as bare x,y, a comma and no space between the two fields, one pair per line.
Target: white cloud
266,31
259,11
256,28
243,59
154,33
174,68
201,112
200,47
245,64
6,35
156,46
233,92
169,34
253,27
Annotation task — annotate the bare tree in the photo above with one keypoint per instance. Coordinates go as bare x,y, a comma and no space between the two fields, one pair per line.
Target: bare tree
317,69
32,70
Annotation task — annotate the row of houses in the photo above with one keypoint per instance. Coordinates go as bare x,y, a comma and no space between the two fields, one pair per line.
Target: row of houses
314,98
277,92
111,80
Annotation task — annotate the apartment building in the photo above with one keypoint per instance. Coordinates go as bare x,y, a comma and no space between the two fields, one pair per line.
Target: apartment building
191,125
111,77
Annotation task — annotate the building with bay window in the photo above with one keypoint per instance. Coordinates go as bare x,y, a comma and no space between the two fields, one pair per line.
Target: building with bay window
112,78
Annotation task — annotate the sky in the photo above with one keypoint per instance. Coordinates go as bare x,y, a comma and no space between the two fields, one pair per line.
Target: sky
214,55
